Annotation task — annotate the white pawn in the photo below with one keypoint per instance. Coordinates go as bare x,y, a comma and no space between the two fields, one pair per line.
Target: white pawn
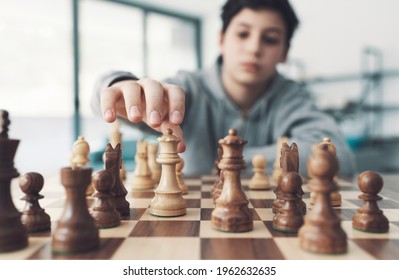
259,180
80,152
155,167
79,158
179,174
141,179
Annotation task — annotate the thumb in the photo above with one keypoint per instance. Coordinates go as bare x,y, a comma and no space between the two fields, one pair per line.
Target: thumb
181,147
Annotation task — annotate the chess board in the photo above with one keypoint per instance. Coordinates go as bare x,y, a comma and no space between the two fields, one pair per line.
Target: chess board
191,237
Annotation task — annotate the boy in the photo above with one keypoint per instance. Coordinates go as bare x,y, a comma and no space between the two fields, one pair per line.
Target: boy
243,90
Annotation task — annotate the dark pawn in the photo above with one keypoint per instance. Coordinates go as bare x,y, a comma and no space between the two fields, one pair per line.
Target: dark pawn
369,217
290,216
33,216
289,162
322,231
103,211
76,231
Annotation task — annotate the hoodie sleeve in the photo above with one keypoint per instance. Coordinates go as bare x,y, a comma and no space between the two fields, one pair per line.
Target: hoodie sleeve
299,120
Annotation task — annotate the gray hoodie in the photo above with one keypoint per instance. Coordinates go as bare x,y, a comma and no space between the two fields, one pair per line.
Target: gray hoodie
285,109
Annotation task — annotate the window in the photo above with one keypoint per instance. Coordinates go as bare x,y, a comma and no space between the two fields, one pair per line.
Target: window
36,81
171,45
118,35
38,59
111,38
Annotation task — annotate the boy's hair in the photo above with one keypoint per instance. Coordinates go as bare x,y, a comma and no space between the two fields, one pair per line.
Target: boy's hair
283,7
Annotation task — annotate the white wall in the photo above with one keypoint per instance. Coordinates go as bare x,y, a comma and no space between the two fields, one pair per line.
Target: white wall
331,39
334,32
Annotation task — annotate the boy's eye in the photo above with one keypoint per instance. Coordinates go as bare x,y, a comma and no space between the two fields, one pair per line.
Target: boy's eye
243,34
270,40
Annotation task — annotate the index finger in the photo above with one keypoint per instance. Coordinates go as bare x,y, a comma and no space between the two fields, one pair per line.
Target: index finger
109,99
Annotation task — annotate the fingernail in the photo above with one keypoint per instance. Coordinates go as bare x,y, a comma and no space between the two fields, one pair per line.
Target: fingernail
108,114
155,117
134,111
176,117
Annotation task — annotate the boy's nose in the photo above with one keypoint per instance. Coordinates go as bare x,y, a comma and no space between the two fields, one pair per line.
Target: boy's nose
254,45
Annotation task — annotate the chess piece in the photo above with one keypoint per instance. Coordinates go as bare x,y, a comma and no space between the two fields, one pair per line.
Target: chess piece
218,184
259,181
322,231
277,168
289,162
168,200
113,161
103,210
336,199
76,230
216,189
216,169
80,157
290,216
369,217
13,234
115,138
302,204
231,213
179,174
141,179
33,216
80,152
154,166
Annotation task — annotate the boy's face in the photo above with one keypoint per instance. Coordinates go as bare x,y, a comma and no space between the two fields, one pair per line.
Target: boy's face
252,45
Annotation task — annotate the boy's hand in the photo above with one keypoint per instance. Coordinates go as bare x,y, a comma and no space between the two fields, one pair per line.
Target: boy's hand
159,105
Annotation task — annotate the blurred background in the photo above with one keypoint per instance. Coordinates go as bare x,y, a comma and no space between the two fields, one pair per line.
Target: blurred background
52,52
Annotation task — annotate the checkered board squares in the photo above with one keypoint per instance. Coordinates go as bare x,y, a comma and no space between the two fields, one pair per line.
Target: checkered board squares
191,237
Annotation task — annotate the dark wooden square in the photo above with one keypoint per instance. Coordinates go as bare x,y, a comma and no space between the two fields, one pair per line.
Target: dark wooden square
262,203
107,248
166,228
239,249
135,214
193,203
206,214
